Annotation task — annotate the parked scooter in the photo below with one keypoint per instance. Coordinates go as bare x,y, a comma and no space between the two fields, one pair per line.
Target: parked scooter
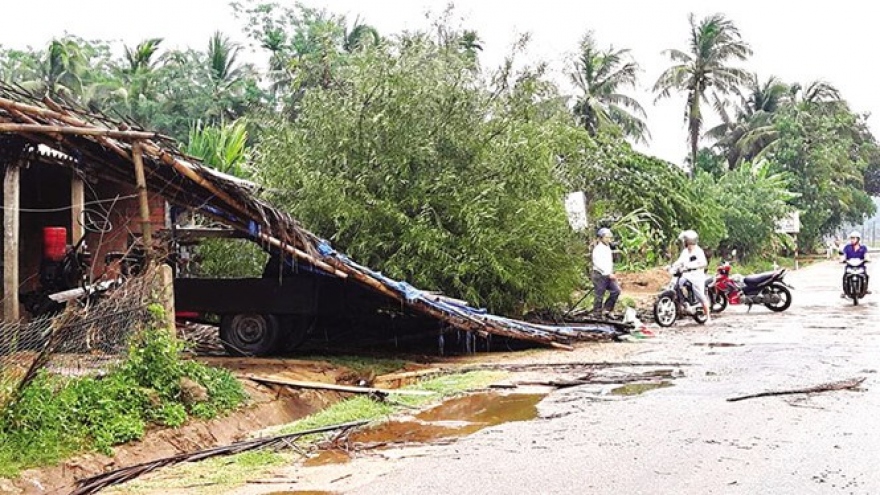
768,288
855,279
677,301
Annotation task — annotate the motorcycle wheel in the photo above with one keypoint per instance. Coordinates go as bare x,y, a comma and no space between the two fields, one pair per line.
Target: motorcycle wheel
665,310
784,295
701,317
718,301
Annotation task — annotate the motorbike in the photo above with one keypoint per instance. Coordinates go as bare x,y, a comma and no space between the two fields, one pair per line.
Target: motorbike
768,288
678,300
855,279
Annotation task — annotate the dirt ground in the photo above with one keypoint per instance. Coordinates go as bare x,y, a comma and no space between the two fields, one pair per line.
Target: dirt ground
647,282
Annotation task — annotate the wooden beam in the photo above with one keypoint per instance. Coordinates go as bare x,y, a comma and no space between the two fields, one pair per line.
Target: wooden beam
77,203
141,181
11,205
79,131
337,388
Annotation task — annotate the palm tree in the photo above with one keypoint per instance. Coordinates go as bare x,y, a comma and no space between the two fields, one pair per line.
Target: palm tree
744,136
60,70
360,36
600,75
222,64
714,43
140,58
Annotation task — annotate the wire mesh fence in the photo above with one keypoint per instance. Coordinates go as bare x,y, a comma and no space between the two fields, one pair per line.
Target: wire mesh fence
85,338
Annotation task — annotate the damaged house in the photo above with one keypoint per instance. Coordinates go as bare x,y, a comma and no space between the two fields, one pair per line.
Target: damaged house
83,193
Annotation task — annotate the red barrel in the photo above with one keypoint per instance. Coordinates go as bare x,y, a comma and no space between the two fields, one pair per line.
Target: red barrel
54,243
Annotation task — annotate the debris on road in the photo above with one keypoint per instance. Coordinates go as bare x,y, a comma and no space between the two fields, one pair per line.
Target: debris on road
98,482
825,387
338,388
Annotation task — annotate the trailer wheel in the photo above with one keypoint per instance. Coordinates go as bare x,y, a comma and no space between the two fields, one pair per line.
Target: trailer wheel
249,334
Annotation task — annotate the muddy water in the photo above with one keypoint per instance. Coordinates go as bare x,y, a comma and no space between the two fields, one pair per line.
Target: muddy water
453,418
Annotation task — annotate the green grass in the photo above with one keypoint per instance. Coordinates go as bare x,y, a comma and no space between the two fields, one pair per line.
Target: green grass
55,417
209,474
765,265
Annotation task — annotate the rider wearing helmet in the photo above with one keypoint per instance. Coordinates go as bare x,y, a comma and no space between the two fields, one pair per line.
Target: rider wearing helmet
603,275
855,250
693,263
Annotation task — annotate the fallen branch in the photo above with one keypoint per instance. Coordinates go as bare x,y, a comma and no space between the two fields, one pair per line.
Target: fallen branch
337,388
98,482
562,365
825,387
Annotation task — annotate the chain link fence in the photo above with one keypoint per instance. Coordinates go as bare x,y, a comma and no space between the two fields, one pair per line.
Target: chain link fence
86,338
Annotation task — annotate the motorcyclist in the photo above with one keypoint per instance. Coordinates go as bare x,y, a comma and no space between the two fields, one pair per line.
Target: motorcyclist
603,277
692,263
855,250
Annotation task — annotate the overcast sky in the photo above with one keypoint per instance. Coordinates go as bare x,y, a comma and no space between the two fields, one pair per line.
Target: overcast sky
835,42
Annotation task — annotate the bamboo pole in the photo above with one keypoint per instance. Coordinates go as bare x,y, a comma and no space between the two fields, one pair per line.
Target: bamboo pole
11,200
303,255
81,131
141,182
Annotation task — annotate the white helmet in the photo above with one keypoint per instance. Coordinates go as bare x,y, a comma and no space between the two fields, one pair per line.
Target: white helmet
855,233
604,232
688,237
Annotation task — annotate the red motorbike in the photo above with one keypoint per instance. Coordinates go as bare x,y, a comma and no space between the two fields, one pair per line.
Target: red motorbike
768,288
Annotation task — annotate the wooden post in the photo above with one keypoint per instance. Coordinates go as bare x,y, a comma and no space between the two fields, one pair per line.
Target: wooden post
11,205
77,202
141,180
166,278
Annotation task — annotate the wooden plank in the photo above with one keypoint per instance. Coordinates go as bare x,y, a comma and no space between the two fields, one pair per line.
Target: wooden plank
11,205
337,388
77,203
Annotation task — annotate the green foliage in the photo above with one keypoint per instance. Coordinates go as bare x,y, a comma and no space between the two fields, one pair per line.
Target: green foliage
826,155
222,147
750,199
55,416
657,196
411,169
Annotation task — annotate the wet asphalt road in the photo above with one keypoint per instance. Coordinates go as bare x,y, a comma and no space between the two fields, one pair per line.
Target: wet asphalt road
687,439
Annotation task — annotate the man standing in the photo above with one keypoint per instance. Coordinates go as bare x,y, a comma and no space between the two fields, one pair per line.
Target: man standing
603,275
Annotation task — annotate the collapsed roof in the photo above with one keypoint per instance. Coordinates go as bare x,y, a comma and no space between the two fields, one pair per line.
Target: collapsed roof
93,144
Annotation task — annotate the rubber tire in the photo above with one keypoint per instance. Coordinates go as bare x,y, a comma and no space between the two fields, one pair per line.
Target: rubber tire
701,317
295,330
665,299
784,290
249,334
719,300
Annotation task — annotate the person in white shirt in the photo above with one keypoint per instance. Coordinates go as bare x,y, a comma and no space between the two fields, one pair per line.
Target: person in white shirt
693,263
603,276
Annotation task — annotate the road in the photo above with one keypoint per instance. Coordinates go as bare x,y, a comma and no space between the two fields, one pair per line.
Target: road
687,439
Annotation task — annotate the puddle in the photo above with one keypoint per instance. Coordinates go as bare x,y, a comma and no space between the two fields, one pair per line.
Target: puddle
456,417
328,457
639,388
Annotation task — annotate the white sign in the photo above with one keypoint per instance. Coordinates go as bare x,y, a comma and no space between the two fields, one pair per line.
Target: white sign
576,208
790,224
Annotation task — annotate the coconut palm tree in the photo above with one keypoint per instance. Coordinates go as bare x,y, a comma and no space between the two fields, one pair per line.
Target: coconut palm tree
714,42
743,136
599,76
142,57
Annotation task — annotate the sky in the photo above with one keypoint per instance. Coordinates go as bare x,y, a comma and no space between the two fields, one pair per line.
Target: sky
835,43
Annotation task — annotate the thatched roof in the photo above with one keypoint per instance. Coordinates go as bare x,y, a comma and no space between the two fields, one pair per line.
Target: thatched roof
93,144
